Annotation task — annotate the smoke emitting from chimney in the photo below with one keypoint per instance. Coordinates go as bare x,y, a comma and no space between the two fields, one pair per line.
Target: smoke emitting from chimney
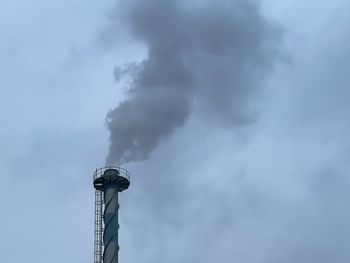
214,53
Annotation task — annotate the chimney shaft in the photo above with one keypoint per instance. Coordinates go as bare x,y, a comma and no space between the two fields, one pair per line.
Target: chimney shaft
108,182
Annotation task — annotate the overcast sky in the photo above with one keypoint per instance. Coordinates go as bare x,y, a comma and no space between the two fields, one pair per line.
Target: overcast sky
255,170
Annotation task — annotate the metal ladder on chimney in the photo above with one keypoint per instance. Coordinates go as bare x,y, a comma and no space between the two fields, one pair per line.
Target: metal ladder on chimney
98,242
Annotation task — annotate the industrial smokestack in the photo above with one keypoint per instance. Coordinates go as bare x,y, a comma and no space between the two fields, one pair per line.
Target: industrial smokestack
108,182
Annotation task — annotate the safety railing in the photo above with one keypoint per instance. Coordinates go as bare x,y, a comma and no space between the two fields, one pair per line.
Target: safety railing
122,172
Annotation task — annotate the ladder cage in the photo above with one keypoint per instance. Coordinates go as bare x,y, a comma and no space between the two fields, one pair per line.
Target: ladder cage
98,230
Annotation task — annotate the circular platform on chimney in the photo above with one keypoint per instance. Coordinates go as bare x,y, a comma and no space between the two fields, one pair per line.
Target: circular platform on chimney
111,175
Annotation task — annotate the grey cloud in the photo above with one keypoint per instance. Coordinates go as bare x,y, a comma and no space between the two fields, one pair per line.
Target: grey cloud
210,57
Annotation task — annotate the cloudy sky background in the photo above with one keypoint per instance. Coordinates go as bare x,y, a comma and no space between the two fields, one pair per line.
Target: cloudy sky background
272,191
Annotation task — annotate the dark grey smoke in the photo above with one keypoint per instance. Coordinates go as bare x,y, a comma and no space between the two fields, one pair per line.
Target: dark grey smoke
205,55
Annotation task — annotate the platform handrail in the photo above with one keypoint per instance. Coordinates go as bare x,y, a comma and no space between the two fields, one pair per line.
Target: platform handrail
122,172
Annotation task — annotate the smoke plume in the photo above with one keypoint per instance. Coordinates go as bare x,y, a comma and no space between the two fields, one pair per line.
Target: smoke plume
205,55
